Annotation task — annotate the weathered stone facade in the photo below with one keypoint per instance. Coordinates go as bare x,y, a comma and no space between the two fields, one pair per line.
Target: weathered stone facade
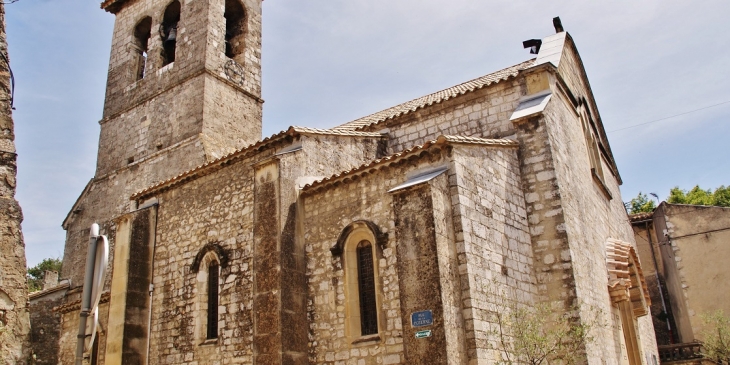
14,317
45,322
317,246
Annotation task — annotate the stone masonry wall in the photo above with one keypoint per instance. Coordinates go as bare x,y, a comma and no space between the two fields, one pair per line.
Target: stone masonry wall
46,327
591,217
493,242
189,217
108,196
14,319
326,214
200,46
70,329
482,113
218,208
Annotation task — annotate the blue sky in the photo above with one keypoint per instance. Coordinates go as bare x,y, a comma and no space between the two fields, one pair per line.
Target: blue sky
326,62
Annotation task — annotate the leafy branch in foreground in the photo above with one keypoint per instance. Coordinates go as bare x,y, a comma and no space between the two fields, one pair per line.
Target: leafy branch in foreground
716,344
540,335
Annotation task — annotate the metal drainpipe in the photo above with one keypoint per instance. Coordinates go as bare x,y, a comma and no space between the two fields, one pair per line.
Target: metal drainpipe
152,288
658,282
86,294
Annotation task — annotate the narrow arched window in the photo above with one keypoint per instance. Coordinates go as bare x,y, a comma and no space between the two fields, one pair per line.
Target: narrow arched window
141,41
208,265
361,278
235,28
168,32
213,278
366,289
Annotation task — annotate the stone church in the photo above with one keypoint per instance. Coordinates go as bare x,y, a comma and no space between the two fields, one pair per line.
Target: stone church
396,238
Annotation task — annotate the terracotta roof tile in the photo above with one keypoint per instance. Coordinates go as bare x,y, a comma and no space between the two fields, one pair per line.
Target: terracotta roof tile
640,216
380,163
112,6
209,166
437,97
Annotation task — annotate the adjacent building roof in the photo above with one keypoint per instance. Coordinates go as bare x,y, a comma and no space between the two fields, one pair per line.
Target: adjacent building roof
386,161
211,166
437,97
639,217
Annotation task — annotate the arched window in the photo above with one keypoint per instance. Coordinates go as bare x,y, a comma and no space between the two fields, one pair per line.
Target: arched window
208,286
168,32
360,246
213,275
366,288
628,292
594,154
141,39
235,28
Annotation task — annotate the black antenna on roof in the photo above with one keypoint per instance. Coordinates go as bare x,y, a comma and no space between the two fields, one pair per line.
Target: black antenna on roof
533,45
558,25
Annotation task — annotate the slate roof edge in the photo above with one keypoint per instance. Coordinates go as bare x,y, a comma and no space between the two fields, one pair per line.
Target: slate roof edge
209,167
451,92
394,158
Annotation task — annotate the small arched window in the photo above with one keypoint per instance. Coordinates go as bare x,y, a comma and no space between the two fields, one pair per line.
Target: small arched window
366,288
594,154
208,294
168,32
363,294
235,28
141,41
213,281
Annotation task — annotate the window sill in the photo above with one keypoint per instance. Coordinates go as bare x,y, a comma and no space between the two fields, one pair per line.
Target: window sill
366,339
209,342
601,184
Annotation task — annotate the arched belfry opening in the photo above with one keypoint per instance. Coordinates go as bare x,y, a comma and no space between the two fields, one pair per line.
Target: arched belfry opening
235,28
168,32
142,32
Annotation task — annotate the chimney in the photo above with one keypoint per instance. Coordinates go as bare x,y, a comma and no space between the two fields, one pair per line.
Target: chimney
50,279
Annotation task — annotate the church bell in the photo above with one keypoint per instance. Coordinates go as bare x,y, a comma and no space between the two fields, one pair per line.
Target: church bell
171,37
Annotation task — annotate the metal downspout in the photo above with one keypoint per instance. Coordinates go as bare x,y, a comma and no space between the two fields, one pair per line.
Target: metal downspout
86,294
658,281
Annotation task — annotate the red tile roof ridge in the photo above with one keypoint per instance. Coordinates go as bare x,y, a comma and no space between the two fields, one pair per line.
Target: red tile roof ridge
640,216
291,131
441,140
437,97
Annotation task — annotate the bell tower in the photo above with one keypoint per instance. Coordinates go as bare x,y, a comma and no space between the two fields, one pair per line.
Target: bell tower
184,83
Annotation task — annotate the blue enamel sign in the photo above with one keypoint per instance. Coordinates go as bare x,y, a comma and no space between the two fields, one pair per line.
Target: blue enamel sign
422,318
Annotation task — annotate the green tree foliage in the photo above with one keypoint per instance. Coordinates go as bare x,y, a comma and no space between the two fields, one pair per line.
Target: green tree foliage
36,273
698,196
640,204
540,336
716,344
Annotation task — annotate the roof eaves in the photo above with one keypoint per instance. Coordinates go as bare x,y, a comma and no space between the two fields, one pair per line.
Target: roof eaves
379,164
76,204
436,98
211,166
640,217
112,6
